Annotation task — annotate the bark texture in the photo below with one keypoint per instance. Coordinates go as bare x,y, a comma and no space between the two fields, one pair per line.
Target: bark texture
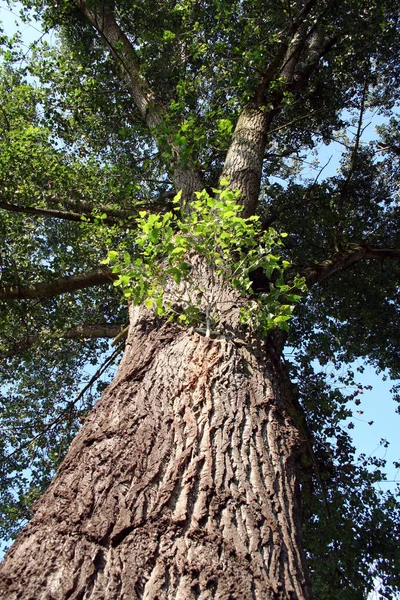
245,157
182,482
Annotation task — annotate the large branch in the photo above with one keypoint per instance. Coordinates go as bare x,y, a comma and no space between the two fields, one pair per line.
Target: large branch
287,48
345,259
56,287
151,109
156,203
80,332
54,213
86,209
245,157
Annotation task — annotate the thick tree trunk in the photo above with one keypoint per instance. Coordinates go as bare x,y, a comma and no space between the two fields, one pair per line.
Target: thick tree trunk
182,483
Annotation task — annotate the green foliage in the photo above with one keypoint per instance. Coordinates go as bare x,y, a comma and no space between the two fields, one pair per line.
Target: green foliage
343,500
232,247
40,372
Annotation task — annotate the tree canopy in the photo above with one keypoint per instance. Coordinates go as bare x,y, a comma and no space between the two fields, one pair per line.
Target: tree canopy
136,101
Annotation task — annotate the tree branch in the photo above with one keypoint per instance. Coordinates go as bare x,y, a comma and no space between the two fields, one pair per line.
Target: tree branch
156,203
80,332
56,287
245,157
345,259
70,405
151,109
293,39
54,213
114,217
303,73
355,148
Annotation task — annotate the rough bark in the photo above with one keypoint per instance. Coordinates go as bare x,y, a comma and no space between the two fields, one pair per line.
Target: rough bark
183,481
245,157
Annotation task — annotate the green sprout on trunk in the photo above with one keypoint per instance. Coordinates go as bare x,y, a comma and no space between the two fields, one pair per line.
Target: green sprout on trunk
232,246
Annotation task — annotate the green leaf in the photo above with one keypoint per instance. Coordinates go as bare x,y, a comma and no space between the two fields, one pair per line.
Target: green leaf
177,197
178,251
124,280
112,255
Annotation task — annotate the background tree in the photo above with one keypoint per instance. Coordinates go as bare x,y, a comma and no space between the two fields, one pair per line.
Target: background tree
184,480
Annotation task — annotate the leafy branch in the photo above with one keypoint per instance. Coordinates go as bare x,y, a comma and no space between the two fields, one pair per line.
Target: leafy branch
345,259
232,247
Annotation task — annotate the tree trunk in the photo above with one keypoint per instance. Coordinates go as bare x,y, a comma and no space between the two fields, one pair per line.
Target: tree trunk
182,483
245,157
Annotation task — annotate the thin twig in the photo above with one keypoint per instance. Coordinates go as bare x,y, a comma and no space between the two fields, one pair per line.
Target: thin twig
71,404
307,194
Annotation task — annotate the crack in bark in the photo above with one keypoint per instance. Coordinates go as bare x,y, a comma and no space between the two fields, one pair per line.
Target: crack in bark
118,538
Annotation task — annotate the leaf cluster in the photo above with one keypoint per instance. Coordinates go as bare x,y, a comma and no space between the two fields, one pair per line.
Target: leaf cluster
232,246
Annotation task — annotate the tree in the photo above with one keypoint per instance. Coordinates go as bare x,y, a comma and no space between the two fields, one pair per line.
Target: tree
140,156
